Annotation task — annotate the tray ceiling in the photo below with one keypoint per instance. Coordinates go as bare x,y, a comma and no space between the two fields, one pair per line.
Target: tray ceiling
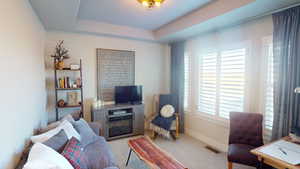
174,20
131,13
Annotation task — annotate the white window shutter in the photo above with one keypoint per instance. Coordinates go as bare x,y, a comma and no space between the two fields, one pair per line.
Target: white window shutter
269,89
208,83
232,81
187,81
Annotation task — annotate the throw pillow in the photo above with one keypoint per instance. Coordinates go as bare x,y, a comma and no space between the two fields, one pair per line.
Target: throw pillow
73,152
58,141
167,111
65,125
68,118
87,135
44,157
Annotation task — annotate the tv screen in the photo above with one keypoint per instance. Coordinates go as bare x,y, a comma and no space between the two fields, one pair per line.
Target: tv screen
128,94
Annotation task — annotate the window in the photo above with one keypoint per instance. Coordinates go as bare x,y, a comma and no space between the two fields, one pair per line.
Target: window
232,81
222,81
187,80
269,87
208,83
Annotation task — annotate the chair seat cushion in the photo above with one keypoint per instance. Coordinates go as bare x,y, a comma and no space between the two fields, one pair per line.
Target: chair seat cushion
240,153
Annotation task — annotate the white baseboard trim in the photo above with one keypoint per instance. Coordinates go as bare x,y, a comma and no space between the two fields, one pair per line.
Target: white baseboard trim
207,140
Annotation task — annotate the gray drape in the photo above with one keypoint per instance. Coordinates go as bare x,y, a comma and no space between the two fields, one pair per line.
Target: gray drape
177,78
286,50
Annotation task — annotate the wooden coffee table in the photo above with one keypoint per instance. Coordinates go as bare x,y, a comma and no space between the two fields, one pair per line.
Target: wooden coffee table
152,155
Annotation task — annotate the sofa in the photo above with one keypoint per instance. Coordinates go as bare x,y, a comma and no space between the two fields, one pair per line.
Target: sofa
97,153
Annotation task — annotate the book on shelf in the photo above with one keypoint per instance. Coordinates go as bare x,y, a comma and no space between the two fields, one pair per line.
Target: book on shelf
67,83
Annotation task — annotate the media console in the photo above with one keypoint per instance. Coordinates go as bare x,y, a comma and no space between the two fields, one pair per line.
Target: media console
121,120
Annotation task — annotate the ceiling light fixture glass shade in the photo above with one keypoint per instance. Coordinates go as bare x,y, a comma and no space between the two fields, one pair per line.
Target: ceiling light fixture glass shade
151,3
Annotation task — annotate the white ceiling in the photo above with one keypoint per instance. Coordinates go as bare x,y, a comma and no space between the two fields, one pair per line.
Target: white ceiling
130,13
174,20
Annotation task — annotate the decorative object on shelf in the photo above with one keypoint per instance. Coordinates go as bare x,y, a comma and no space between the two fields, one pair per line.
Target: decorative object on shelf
78,82
151,3
61,103
61,53
74,66
72,98
72,83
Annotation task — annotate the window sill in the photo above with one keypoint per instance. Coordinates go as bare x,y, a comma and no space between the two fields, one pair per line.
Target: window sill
210,118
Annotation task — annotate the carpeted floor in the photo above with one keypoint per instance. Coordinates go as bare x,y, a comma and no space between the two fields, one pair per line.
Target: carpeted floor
189,151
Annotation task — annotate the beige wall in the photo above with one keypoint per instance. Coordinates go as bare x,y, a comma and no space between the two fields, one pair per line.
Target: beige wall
22,86
152,65
215,131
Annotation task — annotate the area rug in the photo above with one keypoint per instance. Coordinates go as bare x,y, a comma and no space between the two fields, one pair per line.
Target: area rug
189,151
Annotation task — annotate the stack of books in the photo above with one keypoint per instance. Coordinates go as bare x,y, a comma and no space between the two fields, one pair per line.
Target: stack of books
66,82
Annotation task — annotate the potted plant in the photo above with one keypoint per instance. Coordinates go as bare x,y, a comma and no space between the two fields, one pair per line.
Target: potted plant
61,53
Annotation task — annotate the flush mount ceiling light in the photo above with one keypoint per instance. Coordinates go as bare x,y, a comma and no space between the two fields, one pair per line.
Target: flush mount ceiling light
151,3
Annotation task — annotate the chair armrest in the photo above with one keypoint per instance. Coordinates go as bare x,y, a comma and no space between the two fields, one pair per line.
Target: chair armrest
97,128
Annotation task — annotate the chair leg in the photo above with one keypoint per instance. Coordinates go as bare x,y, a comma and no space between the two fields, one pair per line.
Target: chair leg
230,165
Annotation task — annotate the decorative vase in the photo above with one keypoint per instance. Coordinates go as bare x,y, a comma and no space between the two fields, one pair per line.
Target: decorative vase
60,65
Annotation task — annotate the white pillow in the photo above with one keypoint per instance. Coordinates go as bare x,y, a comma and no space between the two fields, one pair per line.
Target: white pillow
43,157
65,125
68,117
167,111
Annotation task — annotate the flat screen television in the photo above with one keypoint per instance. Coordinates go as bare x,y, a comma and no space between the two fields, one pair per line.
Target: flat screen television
128,94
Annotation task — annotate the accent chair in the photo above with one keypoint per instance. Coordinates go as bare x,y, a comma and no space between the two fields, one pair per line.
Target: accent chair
246,133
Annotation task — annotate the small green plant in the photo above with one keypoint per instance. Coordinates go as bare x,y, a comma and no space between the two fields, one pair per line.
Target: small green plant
61,53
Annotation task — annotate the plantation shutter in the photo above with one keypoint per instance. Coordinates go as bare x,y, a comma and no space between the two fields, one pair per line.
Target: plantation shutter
187,81
269,89
208,83
232,81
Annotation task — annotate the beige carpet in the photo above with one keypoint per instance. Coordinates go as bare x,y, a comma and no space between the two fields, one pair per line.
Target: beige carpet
189,151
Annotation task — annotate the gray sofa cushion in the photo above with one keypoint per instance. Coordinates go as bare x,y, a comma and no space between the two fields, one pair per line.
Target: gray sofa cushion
58,141
96,127
99,154
87,134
